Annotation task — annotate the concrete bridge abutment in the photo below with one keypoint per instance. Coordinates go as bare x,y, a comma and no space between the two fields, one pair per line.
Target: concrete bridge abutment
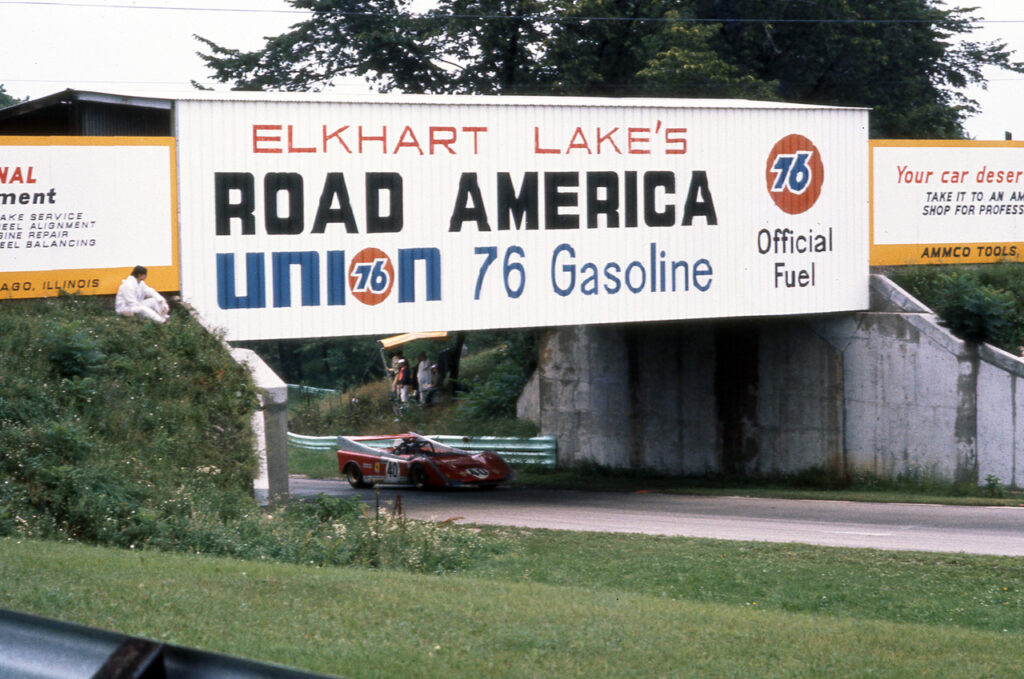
885,392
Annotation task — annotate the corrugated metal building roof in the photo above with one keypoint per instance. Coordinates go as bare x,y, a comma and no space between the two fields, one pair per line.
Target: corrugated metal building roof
80,112
77,113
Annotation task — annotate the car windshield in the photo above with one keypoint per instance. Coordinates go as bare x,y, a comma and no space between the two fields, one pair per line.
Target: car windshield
422,446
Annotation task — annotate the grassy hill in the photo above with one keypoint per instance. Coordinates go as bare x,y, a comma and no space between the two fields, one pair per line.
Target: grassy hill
109,424
121,432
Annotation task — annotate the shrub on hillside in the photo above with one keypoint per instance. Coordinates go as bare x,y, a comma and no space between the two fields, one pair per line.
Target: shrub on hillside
496,394
978,312
979,304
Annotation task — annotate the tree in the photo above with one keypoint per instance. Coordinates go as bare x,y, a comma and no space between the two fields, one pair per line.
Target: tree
598,47
687,66
375,39
899,57
641,48
6,99
477,47
334,363
502,54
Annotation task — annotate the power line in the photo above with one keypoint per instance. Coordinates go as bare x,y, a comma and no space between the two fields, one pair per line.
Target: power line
155,85
504,17
94,82
148,83
100,5
350,84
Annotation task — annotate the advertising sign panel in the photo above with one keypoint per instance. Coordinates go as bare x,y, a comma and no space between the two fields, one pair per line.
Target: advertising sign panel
946,202
77,213
307,219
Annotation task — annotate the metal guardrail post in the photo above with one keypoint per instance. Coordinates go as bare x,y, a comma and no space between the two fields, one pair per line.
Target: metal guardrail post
134,659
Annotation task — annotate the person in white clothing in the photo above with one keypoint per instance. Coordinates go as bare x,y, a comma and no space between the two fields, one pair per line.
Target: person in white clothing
424,380
134,297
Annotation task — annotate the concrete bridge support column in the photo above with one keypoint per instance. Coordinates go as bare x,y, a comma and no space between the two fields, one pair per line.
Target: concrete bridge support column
738,397
270,425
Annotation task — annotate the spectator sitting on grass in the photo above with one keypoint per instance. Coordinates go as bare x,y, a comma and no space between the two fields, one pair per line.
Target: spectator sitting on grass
135,298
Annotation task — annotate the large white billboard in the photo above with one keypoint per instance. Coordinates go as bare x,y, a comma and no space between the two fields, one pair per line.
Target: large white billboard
946,202
307,218
78,213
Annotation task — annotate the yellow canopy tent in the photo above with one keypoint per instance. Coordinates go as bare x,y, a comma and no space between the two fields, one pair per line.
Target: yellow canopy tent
448,367
405,337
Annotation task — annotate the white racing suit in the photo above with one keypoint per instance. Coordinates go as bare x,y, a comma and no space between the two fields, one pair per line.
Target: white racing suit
134,298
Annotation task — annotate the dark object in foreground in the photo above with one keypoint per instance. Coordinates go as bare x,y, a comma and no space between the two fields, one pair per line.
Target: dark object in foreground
32,647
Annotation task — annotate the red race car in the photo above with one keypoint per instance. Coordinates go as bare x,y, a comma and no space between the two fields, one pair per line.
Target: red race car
418,461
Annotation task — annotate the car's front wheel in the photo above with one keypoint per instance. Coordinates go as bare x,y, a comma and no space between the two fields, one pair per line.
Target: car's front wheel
418,476
355,477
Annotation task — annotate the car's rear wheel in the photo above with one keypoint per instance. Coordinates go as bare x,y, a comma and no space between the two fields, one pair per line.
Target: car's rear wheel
355,477
418,476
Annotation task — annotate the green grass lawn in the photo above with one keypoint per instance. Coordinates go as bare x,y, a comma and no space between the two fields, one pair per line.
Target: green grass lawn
557,604
312,463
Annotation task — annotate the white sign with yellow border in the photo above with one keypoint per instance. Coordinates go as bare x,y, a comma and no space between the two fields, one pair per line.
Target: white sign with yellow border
77,213
942,202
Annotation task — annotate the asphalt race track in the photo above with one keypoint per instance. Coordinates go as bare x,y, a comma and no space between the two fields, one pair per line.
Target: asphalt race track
932,528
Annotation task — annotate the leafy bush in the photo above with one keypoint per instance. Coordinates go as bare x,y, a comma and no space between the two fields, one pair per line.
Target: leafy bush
979,304
978,312
496,396
73,352
994,487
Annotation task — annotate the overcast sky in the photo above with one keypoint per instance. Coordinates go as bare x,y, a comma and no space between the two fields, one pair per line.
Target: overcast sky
147,45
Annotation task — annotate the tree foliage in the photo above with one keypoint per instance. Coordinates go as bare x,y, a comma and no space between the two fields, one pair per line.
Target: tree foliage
642,48
379,40
503,54
904,58
978,303
6,99
336,363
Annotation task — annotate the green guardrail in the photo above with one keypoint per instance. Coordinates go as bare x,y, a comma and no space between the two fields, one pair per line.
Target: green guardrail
538,450
303,390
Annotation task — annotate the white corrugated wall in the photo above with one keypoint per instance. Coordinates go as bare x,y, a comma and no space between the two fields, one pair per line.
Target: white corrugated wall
729,142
